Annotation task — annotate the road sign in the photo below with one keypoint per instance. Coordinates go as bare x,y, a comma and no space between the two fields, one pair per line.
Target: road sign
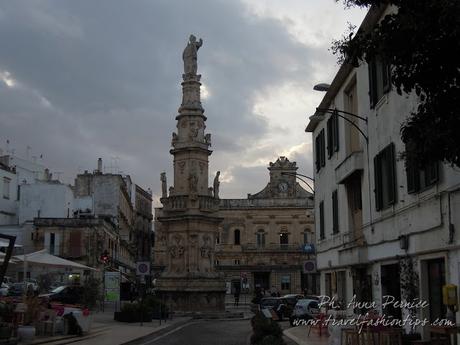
309,266
143,268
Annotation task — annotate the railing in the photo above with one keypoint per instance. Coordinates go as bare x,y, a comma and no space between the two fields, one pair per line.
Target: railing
208,203
272,247
176,203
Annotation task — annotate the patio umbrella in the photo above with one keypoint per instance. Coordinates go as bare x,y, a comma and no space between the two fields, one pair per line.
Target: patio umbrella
43,258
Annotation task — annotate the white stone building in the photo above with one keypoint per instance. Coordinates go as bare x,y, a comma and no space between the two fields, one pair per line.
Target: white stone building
381,228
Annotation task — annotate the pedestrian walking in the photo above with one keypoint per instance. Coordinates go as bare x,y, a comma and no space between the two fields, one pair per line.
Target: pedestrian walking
237,297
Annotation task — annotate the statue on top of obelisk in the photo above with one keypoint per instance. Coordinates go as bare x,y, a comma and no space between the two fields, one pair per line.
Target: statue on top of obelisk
190,56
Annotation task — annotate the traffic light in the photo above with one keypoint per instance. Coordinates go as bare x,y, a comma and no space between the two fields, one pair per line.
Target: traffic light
105,257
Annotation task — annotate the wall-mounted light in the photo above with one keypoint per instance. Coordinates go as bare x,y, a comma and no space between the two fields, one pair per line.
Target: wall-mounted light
404,242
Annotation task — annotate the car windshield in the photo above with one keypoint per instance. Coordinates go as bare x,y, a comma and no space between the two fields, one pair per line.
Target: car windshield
269,302
58,289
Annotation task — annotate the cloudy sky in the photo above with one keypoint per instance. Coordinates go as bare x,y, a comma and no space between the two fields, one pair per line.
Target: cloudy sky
83,79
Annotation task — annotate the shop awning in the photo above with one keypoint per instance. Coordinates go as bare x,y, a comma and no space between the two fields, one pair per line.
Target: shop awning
43,258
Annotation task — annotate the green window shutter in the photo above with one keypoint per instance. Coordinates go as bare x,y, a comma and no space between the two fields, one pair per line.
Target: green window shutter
336,132
323,146
329,137
335,212
391,166
378,182
321,220
413,177
372,83
317,153
386,77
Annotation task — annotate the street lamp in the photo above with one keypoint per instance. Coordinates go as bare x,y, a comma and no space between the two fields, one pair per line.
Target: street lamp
338,113
296,175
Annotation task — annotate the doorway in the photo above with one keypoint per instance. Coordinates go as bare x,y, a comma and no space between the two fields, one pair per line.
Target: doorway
391,287
262,280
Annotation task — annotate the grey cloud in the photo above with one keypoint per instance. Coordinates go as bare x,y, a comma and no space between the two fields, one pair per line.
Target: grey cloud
111,71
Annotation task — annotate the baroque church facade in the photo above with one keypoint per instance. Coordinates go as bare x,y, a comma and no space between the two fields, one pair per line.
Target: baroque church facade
267,240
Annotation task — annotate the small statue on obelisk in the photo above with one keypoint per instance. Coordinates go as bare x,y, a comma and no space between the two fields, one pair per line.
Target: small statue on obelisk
190,56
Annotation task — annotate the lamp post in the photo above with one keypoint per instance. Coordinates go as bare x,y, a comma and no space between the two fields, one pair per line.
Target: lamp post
338,113
296,175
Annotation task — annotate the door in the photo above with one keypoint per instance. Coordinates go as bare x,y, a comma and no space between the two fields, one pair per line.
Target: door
436,280
391,287
353,186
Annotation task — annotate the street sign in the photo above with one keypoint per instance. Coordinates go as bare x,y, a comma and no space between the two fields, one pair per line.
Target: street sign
309,266
143,268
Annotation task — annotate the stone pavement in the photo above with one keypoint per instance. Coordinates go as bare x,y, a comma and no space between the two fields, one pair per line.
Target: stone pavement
106,331
300,336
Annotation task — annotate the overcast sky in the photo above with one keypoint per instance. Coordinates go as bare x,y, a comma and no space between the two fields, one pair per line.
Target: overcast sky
84,79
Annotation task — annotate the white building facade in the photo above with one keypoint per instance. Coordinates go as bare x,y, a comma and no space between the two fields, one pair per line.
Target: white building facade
382,228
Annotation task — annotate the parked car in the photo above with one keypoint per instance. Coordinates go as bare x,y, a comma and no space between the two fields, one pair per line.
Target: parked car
278,304
305,309
4,289
292,299
65,294
17,289
8,280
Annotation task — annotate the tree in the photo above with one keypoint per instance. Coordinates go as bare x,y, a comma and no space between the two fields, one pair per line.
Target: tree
421,43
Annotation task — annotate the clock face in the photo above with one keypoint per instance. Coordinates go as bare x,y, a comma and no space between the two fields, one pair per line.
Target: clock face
283,187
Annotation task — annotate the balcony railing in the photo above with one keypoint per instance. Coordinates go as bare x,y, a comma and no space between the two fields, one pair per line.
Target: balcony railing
273,247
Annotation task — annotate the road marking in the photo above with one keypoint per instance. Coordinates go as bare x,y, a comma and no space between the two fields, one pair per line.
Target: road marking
168,333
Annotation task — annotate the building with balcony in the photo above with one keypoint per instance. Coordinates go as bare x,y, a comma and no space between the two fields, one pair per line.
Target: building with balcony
384,226
266,240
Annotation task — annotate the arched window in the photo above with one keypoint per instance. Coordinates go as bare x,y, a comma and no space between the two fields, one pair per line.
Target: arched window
260,238
237,237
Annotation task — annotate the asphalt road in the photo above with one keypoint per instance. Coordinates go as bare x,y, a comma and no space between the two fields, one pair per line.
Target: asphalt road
224,332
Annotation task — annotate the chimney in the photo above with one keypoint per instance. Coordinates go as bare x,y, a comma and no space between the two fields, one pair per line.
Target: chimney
99,165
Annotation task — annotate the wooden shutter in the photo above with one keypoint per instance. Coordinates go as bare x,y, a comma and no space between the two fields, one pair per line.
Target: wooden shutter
378,182
386,77
391,168
335,127
317,153
335,212
413,176
330,138
372,83
323,146
321,220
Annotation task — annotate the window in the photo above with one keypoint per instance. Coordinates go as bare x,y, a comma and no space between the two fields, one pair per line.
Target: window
260,238
320,151
236,261
321,221
420,177
335,213
285,282
341,286
6,188
332,135
217,238
306,237
284,238
237,237
385,178
52,243
19,192
379,80
216,262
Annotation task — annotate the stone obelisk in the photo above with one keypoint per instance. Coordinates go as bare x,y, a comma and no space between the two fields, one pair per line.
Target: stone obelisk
187,223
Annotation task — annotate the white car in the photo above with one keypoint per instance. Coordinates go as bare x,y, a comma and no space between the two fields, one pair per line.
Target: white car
305,309
4,289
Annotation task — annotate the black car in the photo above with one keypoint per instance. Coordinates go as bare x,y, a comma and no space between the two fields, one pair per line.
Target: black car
278,304
66,294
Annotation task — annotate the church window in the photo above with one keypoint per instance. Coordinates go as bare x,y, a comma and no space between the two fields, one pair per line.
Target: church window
237,237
